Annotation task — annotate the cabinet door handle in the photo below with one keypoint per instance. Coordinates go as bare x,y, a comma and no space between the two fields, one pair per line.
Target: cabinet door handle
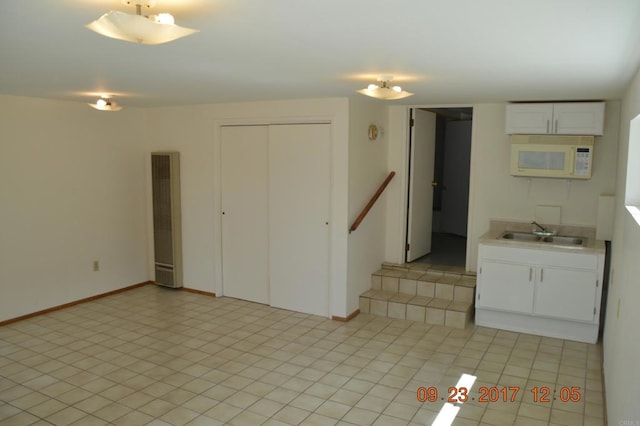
556,129
530,273
541,274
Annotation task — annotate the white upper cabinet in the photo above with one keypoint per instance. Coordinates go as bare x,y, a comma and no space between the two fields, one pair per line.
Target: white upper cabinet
565,118
529,119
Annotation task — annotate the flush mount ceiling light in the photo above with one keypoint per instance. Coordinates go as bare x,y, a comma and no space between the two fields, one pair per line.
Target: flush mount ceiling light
154,29
384,90
105,104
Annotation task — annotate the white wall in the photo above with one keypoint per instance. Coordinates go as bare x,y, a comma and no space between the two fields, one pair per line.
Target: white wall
367,170
497,195
493,193
194,131
72,190
621,335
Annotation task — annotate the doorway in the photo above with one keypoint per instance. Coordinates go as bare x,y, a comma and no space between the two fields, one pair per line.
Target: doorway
439,164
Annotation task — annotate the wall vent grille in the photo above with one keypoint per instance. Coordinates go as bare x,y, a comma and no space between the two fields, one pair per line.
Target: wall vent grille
167,235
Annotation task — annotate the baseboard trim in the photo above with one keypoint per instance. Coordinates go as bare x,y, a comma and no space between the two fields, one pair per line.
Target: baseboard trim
76,302
202,292
604,387
348,318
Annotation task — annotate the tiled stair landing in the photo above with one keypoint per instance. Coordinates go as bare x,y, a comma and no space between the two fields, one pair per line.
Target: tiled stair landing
423,293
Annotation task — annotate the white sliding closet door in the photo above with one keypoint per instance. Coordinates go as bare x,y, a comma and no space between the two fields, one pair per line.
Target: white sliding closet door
244,193
299,196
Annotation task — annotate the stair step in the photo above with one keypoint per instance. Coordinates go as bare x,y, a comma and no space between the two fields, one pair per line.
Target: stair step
429,294
426,267
429,310
441,285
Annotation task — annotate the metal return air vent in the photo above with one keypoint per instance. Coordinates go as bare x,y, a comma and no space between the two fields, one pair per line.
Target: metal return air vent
167,229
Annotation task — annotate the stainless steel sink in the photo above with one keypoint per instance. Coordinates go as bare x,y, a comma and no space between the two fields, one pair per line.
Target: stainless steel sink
559,240
564,241
520,236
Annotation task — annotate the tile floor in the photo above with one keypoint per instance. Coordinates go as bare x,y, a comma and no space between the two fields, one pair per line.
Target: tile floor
446,249
167,357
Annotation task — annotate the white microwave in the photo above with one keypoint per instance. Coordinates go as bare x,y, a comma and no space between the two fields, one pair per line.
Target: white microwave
551,156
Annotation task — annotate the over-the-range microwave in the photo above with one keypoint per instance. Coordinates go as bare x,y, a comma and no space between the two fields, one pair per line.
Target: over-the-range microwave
552,156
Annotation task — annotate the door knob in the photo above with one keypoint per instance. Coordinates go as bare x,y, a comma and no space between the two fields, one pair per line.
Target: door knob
434,184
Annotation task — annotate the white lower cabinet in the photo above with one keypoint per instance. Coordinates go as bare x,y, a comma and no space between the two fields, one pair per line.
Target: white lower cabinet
515,296
565,293
548,293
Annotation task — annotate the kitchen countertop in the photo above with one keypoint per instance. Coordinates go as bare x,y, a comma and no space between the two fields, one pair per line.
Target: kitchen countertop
498,227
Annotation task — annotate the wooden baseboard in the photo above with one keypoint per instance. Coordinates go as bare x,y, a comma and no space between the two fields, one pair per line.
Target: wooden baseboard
76,302
202,292
349,318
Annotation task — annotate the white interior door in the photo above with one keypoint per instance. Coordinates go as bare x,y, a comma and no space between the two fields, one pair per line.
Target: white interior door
421,173
299,196
244,192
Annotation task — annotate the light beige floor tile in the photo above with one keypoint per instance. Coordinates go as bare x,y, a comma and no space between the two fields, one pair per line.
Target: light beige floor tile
385,420
200,404
133,418
223,412
112,412
266,407
566,418
316,419
229,361
156,408
179,416
291,415
66,416
372,403
407,286
242,399
24,402
360,416
307,402
333,409
47,408
401,411
498,418
284,396
20,419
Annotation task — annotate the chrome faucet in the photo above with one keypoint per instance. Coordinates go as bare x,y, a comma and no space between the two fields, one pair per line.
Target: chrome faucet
542,228
543,231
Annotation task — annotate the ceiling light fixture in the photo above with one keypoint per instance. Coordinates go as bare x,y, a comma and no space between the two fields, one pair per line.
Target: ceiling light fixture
154,29
384,90
105,104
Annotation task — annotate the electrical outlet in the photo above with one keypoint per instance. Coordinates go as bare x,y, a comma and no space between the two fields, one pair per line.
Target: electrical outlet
96,265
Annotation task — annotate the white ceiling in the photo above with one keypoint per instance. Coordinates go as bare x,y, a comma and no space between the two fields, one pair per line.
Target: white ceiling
446,52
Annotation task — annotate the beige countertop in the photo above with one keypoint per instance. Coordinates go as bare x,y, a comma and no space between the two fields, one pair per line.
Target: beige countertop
498,227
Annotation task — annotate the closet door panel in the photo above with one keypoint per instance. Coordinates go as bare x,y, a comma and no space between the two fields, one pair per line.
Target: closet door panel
244,195
299,197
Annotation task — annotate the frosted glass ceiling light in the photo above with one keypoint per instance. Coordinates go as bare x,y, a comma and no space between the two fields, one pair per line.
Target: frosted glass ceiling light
384,90
155,29
105,104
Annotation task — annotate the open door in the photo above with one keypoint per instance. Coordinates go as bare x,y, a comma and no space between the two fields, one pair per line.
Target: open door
421,171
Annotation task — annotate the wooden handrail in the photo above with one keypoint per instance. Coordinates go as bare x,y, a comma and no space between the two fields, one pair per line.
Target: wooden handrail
371,202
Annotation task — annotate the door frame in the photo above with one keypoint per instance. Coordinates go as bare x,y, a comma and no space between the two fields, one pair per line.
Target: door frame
411,191
397,203
333,265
